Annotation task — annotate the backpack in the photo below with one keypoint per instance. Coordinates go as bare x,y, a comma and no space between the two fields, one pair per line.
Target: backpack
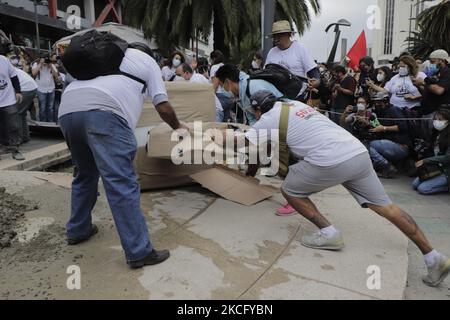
285,81
94,54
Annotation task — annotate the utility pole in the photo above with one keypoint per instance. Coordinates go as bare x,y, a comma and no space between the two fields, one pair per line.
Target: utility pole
267,20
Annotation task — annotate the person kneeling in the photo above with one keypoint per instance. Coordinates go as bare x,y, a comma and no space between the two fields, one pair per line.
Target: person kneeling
434,172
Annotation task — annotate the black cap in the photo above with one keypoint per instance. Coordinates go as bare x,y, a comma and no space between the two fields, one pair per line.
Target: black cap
265,100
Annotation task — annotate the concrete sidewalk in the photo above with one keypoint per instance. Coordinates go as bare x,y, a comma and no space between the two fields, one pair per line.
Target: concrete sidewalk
220,250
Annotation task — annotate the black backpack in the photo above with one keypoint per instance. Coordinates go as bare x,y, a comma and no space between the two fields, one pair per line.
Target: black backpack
285,81
94,54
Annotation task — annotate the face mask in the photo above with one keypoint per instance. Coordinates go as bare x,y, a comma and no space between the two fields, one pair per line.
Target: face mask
403,71
176,63
228,94
322,70
14,62
440,125
432,69
361,107
380,77
255,65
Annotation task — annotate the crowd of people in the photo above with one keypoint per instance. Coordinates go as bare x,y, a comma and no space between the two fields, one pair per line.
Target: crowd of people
41,83
400,112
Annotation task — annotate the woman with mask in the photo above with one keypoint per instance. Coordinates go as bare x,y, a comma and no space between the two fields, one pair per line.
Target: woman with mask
169,71
434,172
401,88
360,119
384,75
257,63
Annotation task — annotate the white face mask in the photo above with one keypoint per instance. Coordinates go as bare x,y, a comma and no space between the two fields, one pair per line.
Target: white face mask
361,107
403,71
321,70
380,77
440,125
176,63
255,65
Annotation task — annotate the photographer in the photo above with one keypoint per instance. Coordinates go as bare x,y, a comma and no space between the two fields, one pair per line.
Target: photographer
436,88
343,92
434,172
393,146
45,74
359,120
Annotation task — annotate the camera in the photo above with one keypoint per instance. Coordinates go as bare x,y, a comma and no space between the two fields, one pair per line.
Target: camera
431,80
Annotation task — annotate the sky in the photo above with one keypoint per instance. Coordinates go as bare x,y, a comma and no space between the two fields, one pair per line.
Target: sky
319,43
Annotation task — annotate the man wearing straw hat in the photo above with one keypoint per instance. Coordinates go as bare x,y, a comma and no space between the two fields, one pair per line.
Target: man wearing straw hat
292,55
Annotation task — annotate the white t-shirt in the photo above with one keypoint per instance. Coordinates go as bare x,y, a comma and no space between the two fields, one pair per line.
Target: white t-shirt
126,92
44,79
212,74
296,59
398,87
7,93
168,73
27,83
199,78
311,136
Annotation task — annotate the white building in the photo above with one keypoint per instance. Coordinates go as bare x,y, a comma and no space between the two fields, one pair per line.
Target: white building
398,21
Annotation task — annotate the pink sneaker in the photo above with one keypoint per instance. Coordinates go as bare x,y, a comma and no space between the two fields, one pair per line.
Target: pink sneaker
286,211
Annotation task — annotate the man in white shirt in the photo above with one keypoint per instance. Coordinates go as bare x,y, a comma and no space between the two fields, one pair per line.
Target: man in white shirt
328,156
29,89
45,73
10,95
293,56
98,118
185,71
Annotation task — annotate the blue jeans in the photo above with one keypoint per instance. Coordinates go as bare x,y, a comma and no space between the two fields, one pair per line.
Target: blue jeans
46,106
432,186
102,145
386,152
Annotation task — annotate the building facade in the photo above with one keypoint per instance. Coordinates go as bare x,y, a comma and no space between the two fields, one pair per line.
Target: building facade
398,21
56,19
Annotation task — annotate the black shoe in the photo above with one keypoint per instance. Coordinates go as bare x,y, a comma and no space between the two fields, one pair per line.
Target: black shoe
73,242
155,257
18,156
389,172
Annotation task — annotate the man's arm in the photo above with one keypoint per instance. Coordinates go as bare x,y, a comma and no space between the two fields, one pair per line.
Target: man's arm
436,89
36,68
168,115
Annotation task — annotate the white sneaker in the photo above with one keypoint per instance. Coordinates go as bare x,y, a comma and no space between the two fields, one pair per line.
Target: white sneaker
438,272
318,241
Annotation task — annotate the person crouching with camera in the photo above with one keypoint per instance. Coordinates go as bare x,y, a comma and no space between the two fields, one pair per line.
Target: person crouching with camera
359,120
434,173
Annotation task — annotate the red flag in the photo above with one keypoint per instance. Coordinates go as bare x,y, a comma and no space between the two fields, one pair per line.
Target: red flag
358,51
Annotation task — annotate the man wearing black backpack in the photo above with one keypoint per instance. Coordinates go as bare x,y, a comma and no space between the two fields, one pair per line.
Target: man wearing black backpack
98,118
293,56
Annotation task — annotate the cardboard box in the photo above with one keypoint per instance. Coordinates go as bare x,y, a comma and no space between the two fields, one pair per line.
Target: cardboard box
191,101
199,147
154,174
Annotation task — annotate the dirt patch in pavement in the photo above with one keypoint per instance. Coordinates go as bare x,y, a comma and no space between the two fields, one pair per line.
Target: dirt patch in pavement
12,211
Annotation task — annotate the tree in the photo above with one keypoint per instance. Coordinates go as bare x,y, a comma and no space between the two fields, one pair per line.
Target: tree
433,31
236,23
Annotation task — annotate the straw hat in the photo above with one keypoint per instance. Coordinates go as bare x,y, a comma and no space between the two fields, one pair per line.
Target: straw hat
280,27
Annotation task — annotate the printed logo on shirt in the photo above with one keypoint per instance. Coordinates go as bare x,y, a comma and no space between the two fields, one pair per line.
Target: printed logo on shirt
3,84
306,113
